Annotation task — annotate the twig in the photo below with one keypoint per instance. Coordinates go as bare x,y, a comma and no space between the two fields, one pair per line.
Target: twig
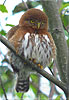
33,66
52,85
3,89
4,2
25,4
22,96
50,68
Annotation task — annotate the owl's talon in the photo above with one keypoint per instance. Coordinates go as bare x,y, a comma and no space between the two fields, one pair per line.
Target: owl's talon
24,63
16,51
40,66
34,60
30,59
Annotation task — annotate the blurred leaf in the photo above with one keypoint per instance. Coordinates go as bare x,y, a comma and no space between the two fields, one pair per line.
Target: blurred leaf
21,6
64,5
3,9
51,65
65,20
68,42
33,89
18,94
3,32
43,97
34,4
10,25
7,78
58,97
66,33
34,78
3,69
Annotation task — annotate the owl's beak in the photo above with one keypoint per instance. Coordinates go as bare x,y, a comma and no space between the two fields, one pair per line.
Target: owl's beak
38,25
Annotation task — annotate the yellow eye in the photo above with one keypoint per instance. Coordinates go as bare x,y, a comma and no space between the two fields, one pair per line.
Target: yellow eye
42,23
26,21
32,21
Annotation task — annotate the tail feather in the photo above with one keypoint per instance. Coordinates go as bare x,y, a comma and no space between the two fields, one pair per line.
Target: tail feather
22,85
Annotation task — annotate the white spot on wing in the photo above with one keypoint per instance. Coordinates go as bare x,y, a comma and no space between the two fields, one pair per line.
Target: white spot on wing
46,37
25,41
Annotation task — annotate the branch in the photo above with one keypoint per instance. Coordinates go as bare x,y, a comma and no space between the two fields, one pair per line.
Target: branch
33,66
52,85
3,89
4,2
22,96
59,2
25,4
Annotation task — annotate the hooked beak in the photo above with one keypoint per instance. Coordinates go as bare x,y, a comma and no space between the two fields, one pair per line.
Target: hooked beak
38,25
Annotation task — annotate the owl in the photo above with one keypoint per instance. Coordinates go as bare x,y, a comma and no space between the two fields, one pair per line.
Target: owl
31,40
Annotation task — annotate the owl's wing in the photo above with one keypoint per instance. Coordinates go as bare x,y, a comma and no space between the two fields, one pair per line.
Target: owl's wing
17,37
53,46
12,31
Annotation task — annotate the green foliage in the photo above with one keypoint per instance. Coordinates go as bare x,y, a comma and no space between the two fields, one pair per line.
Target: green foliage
22,7
42,97
2,32
63,6
58,97
66,33
10,25
64,17
7,78
3,9
68,42
3,69
18,94
34,78
34,89
35,4
65,20
34,83
51,65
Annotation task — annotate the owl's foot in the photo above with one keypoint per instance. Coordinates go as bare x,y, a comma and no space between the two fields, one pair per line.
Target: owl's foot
16,51
30,59
35,62
40,66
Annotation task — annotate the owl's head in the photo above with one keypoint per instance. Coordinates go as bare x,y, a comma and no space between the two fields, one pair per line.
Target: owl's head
34,18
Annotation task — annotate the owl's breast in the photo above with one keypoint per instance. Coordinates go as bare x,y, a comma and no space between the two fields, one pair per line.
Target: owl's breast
37,47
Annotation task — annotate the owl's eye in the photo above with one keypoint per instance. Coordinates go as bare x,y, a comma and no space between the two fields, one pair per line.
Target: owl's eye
32,21
42,23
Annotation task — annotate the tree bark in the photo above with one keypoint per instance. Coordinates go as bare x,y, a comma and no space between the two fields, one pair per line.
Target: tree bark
68,77
59,2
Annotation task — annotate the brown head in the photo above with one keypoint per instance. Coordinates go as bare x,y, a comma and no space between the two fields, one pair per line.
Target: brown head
35,19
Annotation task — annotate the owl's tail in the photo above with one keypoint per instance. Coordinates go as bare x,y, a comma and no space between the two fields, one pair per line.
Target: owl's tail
22,85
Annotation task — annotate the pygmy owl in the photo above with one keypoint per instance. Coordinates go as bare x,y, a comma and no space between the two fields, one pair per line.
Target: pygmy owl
32,40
